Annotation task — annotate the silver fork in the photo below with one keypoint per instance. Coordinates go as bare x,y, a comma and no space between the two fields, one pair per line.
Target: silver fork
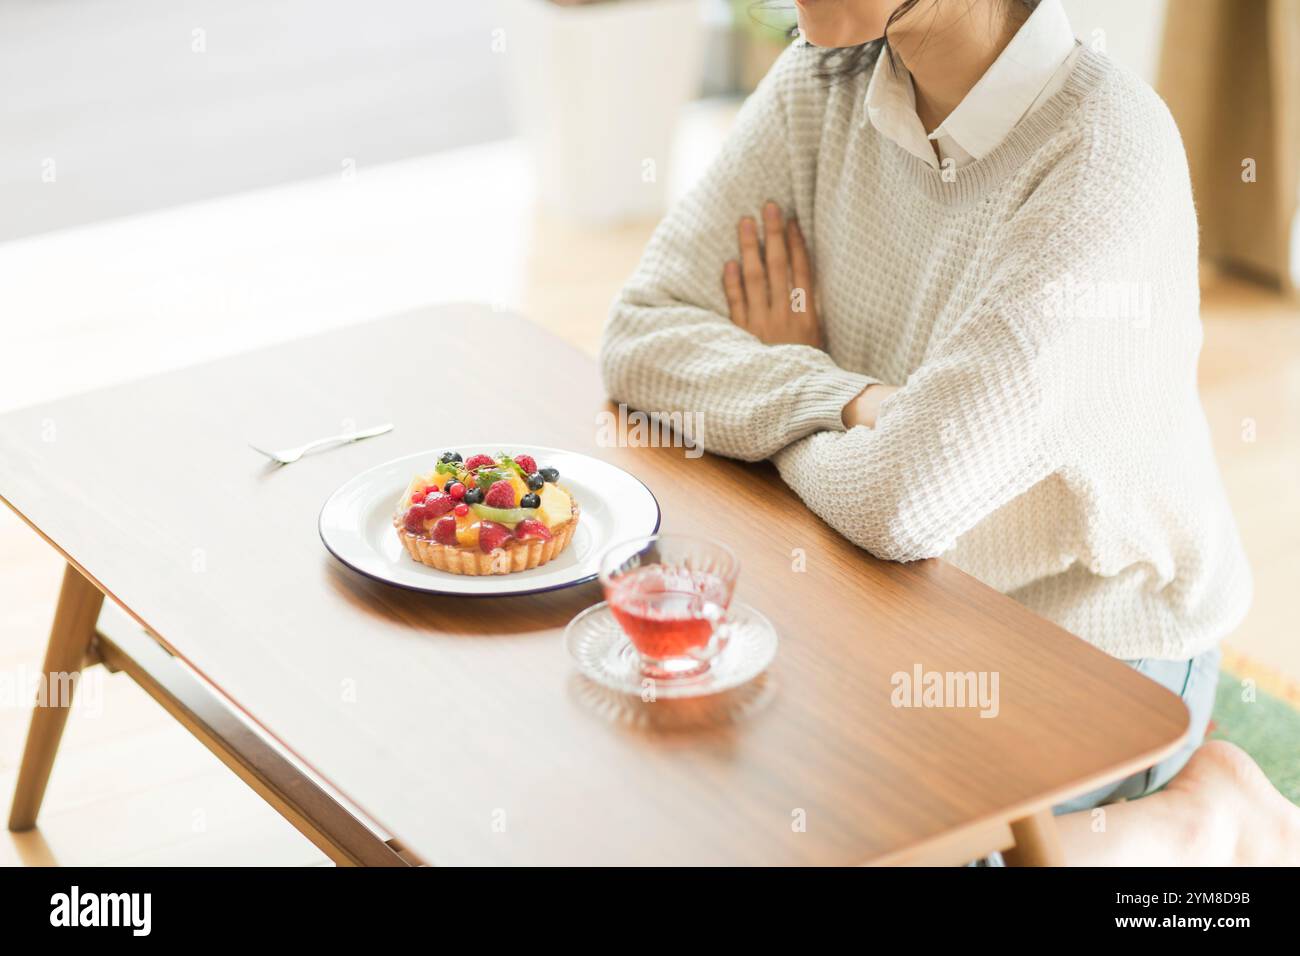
290,455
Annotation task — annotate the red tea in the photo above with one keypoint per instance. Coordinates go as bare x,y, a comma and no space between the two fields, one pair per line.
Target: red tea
665,611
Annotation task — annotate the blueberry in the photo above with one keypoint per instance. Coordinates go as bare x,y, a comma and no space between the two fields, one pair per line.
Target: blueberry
530,501
473,496
449,456
549,474
535,481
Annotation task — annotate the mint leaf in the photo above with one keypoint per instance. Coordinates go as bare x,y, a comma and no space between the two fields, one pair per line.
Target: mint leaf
512,464
485,475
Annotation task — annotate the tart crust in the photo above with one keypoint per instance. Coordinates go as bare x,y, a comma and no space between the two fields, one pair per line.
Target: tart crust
516,555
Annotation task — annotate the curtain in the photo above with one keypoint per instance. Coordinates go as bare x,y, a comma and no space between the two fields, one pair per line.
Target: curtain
1230,72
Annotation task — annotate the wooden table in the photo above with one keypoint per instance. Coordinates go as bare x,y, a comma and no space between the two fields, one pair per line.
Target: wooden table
461,726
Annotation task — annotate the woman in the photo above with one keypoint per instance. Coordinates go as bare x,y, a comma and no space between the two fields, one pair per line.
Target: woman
997,364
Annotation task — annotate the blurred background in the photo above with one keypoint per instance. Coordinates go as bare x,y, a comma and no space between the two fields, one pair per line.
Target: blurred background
183,179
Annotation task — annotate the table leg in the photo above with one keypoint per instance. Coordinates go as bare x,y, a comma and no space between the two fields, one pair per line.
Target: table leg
1037,841
74,626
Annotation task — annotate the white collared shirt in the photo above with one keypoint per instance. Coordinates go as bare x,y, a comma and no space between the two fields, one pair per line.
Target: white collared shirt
1033,66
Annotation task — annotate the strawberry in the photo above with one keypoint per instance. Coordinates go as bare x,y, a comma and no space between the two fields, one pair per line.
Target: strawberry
527,462
414,520
444,532
478,461
532,528
438,504
500,495
491,535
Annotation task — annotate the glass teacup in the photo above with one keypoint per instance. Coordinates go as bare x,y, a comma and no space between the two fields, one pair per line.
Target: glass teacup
670,595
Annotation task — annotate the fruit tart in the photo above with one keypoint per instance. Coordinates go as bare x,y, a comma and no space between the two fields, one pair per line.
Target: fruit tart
486,514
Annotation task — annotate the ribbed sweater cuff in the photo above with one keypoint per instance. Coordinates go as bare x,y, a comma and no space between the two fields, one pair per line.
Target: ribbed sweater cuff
821,404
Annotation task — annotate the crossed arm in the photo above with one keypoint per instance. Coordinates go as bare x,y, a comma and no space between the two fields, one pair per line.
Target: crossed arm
974,427
720,320
962,436
903,488
770,294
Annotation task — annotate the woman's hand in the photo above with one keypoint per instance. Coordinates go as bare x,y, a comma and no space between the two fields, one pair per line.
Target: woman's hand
770,290
770,294
864,409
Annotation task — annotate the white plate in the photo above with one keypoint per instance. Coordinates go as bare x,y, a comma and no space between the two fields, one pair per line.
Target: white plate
356,523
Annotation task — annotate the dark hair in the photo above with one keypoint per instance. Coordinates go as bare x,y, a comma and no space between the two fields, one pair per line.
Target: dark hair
847,62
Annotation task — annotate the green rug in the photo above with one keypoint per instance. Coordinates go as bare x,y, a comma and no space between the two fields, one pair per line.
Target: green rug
1267,727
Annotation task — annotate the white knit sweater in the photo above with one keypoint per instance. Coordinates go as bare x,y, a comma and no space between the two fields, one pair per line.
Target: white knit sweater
1039,308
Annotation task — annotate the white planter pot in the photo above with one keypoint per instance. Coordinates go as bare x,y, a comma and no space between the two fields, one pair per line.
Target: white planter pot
598,90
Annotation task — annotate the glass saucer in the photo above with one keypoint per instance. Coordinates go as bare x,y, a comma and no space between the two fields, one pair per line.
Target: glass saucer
605,655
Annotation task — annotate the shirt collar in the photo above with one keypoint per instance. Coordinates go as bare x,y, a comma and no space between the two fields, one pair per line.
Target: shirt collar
994,105
891,108
1006,91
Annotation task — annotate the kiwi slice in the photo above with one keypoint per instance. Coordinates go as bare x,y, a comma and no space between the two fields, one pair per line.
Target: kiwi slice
506,516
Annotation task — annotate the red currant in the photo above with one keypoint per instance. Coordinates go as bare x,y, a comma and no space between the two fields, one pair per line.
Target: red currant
456,490
462,509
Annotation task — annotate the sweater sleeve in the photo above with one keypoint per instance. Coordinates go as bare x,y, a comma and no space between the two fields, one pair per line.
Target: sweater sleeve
970,431
669,345
996,405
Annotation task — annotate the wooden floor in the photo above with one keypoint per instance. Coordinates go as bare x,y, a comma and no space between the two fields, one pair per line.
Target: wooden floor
131,787
1250,386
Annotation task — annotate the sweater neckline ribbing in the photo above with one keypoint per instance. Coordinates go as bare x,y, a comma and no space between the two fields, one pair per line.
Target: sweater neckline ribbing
972,182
